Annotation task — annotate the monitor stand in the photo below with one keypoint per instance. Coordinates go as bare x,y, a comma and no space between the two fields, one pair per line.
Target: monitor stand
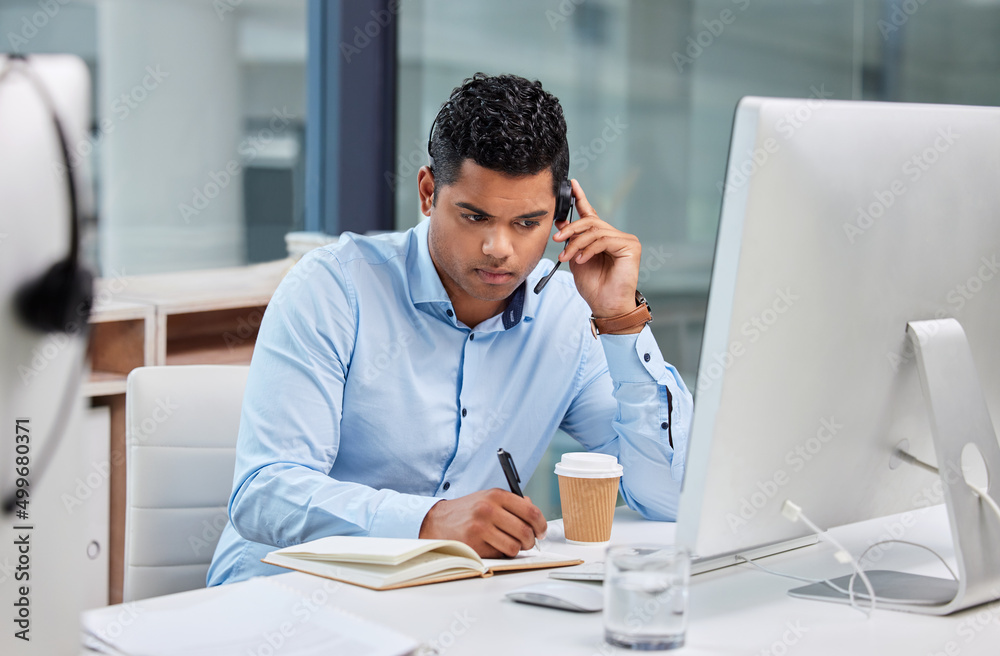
959,420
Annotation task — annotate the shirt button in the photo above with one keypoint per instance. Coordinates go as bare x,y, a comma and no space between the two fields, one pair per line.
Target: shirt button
472,336
446,485
664,425
449,313
464,412
646,357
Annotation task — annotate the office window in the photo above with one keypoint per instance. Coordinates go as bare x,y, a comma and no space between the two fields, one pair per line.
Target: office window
197,146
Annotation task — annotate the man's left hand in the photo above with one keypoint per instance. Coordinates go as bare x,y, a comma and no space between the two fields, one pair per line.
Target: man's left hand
604,260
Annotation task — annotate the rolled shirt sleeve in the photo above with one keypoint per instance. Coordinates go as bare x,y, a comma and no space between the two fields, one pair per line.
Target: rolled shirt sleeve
626,377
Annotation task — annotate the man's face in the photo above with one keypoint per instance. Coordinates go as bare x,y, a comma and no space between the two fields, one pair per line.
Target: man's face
488,231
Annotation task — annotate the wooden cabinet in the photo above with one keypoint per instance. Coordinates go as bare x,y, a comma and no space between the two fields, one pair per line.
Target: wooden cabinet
122,337
191,317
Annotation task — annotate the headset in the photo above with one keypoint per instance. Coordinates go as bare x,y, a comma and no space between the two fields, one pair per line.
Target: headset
61,298
565,201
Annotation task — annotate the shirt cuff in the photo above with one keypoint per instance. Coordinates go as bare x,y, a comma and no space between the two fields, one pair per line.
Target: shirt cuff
401,516
633,358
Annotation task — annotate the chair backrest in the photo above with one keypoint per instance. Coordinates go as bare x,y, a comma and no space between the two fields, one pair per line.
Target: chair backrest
181,427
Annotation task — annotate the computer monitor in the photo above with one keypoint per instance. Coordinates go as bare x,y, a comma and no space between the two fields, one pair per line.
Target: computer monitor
841,223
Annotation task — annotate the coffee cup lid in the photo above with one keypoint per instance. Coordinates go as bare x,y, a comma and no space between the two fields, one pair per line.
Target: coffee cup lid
588,465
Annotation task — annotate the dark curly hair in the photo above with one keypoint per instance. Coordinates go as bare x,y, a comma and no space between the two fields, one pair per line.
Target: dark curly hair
504,123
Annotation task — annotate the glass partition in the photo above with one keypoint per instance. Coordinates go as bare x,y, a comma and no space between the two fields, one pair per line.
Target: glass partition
196,146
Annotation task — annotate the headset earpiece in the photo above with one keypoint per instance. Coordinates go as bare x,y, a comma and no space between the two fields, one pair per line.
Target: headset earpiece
564,201
60,299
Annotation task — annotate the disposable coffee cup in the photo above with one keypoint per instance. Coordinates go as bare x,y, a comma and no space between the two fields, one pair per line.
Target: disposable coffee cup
588,489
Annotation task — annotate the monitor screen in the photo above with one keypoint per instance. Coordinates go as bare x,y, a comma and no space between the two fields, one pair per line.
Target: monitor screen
841,221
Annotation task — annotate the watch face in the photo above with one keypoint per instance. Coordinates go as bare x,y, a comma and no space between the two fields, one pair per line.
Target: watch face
640,299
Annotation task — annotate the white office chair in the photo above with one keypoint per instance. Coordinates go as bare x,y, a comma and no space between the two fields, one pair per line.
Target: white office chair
181,426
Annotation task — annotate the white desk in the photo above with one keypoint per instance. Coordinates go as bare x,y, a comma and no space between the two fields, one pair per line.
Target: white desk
733,611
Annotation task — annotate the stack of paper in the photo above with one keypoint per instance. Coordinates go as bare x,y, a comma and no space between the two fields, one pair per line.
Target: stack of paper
255,617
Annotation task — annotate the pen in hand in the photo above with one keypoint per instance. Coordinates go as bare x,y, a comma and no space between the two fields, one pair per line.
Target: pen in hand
513,479
510,471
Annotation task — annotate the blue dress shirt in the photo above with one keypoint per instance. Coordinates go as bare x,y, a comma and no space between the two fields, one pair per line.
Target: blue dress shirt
368,401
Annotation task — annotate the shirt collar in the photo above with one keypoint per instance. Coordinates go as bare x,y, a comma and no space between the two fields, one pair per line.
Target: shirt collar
515,307
424,281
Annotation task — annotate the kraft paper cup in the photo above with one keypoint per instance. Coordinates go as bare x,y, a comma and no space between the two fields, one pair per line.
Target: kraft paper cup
588,489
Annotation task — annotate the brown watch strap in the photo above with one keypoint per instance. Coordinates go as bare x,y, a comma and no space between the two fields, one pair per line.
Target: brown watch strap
610,325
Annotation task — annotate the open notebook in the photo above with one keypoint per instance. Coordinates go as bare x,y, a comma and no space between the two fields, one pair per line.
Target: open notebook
388,563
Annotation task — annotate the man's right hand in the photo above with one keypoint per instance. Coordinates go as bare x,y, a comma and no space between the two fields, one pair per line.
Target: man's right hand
496,523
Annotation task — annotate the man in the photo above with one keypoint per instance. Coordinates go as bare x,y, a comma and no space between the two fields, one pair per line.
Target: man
389,370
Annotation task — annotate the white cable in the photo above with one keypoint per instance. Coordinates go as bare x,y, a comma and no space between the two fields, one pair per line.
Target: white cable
944,562
829,583
795,577
983,494
794,513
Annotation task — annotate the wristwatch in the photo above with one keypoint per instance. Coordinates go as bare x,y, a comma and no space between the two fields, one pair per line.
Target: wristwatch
610,325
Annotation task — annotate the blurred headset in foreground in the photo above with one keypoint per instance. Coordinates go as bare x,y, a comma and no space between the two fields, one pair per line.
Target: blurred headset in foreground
61,298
